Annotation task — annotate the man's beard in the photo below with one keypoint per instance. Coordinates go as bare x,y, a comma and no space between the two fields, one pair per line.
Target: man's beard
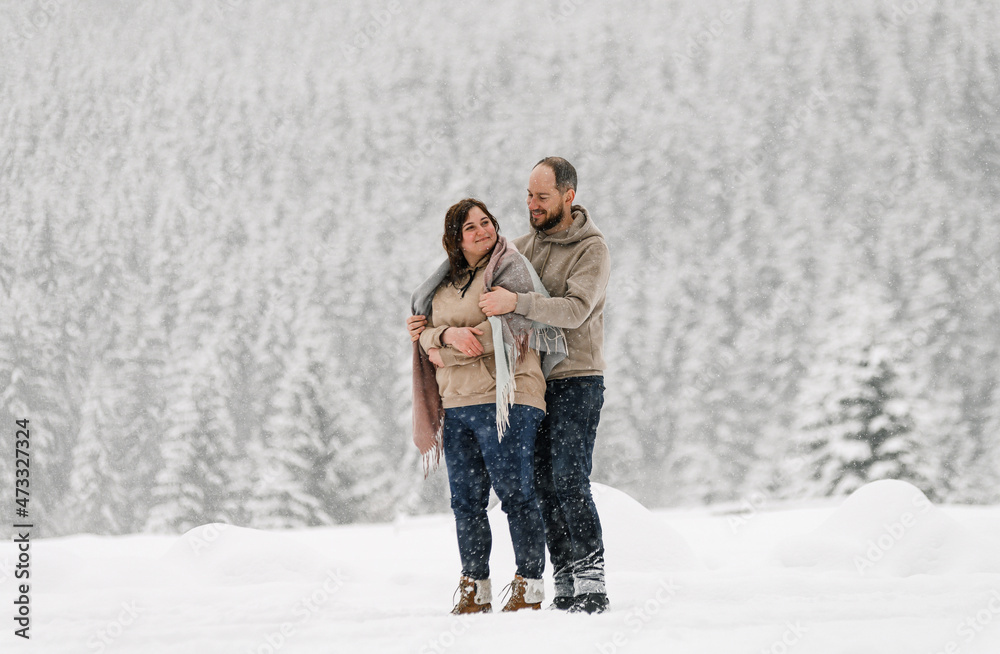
552,220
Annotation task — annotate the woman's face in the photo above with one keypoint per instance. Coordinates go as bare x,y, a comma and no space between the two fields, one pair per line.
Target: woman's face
478,235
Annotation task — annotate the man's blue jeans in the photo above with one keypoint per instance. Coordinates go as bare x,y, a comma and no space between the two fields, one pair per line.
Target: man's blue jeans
564,456
475,457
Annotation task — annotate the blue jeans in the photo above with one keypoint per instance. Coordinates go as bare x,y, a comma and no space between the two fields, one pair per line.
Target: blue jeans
475,457
564,457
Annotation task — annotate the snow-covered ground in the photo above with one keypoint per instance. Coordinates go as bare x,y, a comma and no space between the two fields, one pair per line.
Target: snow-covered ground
883,572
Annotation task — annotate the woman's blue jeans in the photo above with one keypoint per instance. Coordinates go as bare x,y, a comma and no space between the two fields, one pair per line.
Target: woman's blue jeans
475,457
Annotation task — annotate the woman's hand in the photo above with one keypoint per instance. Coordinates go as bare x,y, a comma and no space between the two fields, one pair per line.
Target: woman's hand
464,340
434,354
415,325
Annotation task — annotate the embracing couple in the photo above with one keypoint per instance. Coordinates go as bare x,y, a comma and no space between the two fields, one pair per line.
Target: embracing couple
508,384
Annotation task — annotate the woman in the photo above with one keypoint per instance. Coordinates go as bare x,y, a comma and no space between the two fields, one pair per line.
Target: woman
482,415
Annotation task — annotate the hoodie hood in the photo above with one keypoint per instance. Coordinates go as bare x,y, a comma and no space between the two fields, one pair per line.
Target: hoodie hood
582,227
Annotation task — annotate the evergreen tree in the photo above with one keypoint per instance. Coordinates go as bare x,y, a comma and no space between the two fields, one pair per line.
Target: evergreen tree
856,423
194,487
979,479
319,459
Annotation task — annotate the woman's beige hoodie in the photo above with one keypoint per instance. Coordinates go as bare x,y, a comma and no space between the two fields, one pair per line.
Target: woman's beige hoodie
464,380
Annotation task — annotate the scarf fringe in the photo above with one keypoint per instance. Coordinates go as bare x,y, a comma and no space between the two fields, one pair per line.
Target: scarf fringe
432,457
432,460
547,339
505,395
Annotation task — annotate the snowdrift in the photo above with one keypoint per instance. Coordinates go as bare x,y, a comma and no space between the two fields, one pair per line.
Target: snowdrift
889,528
225,554
642,552
635,540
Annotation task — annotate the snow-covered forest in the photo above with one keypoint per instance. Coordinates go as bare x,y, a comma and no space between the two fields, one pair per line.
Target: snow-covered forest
212,215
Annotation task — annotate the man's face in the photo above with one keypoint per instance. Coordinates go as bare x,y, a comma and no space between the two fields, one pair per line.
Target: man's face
546,205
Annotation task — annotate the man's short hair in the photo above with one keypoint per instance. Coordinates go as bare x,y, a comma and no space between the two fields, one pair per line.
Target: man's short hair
564,171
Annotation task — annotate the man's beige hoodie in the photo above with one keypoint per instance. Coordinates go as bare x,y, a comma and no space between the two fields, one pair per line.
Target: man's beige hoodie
574,266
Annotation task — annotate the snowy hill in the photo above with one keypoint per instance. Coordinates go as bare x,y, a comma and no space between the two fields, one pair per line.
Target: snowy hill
681,581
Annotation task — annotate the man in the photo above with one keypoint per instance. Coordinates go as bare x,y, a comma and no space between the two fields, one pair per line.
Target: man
571,258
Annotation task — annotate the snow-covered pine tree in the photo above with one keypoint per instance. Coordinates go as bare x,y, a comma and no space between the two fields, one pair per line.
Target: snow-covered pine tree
191,488
981,478
92,459
320,462
288,492
45,365
201,474
855,420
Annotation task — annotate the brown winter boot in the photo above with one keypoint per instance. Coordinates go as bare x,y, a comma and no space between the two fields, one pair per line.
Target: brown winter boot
525,594
475,596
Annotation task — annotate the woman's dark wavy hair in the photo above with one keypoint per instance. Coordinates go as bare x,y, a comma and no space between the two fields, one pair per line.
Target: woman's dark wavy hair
452,239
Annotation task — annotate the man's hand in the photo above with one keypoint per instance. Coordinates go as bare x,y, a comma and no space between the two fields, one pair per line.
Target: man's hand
415,325
435,356
464,340
498,302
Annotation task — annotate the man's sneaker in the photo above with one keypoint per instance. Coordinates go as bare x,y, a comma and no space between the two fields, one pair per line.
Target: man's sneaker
561,602
525,594
589,603
475,596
